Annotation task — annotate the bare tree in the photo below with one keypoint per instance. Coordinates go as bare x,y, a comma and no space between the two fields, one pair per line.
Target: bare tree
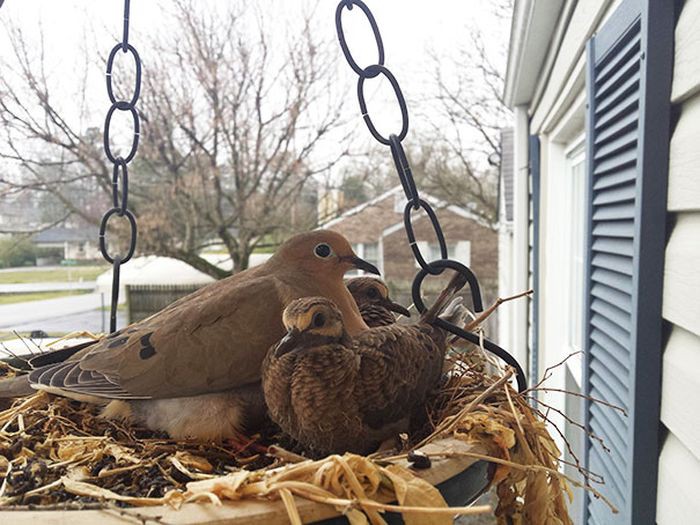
460,158
232,116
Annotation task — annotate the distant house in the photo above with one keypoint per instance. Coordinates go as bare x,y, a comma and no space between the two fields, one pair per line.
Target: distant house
606,224
20,212
78,244
376,231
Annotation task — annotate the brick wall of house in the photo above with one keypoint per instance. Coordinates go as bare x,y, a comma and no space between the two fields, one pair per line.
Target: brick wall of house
367,225
400,265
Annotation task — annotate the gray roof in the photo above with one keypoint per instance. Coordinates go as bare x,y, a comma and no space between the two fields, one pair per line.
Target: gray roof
505,185
63,234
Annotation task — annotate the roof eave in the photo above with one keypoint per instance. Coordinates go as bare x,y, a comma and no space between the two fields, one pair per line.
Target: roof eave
532,28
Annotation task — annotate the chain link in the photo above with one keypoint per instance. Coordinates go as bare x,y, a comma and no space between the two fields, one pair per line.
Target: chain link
344,45
120,171
373,71
409,186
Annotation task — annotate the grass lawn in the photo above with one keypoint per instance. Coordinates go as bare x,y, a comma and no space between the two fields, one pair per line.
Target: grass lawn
11,298
69,273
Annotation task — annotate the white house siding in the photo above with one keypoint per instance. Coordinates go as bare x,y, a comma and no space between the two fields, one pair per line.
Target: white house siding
679,461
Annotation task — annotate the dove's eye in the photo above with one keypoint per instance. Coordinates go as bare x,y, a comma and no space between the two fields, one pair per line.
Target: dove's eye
319,320
372,293
323,250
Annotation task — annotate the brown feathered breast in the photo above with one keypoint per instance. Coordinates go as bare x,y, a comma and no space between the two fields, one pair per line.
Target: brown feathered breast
340,397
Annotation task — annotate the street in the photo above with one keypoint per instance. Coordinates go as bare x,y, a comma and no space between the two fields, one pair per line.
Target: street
61,315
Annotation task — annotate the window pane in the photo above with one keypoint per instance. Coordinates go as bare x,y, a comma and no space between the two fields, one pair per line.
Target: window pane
577,202
371,252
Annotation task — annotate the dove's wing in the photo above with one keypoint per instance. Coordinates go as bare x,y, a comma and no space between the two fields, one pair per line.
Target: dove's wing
212,340
399,364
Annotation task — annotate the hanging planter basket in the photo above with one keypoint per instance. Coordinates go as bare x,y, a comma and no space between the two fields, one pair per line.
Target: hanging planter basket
60,462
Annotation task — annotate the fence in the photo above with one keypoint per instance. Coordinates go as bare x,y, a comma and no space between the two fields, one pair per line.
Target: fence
144,300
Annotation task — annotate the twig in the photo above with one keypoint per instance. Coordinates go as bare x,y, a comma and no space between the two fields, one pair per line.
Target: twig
548,371
449,423
38,347
23,341
512,407
11,353
486,313
583,396
285,455
66,505
3,487
572,422
592,476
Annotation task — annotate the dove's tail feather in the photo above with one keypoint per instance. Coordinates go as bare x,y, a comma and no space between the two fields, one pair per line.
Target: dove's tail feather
53,357
456,283
15,387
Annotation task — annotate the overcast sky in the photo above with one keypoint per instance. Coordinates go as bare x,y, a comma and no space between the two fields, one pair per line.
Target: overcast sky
412,30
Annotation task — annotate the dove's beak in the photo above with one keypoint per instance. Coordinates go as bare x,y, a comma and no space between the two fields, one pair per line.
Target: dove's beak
360,264
288,342
396,307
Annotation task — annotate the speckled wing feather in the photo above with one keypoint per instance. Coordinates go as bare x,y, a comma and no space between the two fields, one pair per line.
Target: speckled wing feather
399,365
375,315
194,346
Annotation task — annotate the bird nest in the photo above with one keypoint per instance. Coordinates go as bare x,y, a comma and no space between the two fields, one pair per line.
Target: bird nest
60,454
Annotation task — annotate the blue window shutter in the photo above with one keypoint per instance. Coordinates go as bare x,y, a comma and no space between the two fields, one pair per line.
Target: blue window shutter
628,118
534,259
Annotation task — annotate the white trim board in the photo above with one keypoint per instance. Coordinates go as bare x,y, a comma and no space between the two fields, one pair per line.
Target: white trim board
433,201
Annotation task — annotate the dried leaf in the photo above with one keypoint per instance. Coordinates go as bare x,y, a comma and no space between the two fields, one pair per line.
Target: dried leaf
191,461
291,507
355,517
226,487
415,492
74,450
121,453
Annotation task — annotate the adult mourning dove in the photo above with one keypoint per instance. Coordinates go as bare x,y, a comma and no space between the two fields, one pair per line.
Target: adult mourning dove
372,298
334,392
192,368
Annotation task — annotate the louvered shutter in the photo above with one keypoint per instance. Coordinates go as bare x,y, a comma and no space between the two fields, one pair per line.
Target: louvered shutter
628,85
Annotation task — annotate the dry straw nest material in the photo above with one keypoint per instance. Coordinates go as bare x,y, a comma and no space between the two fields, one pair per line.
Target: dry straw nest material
58,453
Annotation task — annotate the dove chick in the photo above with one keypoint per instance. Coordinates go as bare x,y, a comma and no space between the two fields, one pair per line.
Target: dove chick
335,393
372,298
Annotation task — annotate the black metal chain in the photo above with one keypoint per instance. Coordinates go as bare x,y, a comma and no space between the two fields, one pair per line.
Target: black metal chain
411,191
120,171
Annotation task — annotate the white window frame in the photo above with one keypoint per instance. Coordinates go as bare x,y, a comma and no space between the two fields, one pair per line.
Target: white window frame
359,249
452,251
576,157
567,143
